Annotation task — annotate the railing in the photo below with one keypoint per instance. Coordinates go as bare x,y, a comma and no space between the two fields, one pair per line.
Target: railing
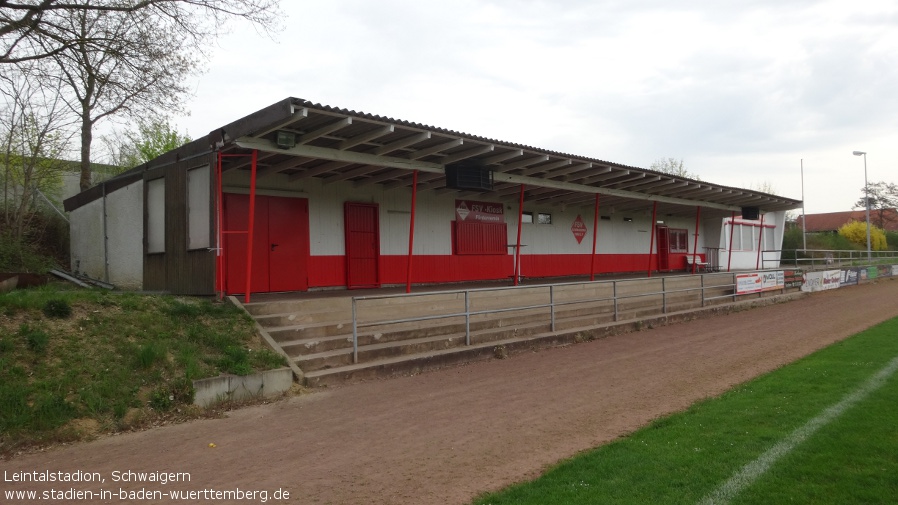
824,258
708,288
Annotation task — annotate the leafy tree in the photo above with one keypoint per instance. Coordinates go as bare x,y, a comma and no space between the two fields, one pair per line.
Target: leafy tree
32,30
673,166
856,232
883,196
152,138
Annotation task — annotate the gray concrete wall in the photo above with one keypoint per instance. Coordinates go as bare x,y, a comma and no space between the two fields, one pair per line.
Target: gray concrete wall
124,229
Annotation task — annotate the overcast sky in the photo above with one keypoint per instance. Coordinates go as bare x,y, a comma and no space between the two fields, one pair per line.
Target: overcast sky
742,91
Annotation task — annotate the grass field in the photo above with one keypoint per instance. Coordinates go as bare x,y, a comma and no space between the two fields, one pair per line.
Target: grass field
821,430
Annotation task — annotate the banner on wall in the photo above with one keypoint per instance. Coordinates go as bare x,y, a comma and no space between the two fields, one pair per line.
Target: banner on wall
894,270
872,273
482,212
885,270
850,277
821,281
759,281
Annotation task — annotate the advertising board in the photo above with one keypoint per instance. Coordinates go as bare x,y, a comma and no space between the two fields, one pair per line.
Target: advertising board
820,281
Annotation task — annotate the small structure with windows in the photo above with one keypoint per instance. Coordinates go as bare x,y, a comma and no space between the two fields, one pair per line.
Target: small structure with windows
301,196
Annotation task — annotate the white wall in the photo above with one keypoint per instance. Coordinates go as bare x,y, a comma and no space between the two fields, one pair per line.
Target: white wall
745,257
436,211
124,210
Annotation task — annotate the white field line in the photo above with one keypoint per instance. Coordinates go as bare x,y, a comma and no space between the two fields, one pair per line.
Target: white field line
752,471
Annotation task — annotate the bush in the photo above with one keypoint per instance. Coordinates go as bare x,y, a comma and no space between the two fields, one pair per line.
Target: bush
37,340
856,232
57,308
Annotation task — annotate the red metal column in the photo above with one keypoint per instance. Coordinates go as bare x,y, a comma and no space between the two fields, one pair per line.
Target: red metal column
652,242
411,232
219,248
595,236
730,246
760,237
517,250
698,213
252,223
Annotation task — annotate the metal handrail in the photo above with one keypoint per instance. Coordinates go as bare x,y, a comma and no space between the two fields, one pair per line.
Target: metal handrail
822,257
552,305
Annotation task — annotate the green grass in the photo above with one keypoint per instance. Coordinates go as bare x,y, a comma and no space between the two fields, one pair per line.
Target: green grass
117,359
684,457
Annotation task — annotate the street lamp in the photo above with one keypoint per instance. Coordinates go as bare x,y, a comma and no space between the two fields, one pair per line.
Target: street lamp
866,202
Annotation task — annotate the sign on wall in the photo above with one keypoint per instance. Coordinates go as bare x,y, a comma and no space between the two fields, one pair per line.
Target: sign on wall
760,281
850,277
483,212
821,281
895,270
578,228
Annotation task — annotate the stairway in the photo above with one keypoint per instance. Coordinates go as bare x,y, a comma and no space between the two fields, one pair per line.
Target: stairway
406,335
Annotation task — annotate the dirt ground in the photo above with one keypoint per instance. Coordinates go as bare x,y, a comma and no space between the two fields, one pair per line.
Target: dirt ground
446,436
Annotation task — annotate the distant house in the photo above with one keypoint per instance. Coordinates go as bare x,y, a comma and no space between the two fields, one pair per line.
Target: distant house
830,222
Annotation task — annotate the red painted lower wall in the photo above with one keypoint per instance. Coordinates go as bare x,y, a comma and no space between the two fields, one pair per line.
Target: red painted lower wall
330,271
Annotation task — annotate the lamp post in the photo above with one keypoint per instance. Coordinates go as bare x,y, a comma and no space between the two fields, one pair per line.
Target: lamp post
866,202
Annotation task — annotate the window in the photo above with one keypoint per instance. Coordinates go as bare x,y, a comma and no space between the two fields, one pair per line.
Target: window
679,240
541,218
156,216
473,237
198,216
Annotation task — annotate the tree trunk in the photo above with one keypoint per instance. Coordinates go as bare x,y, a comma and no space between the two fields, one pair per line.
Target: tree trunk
86,139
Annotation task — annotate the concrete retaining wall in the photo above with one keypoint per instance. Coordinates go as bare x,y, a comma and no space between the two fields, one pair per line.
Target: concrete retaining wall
236,387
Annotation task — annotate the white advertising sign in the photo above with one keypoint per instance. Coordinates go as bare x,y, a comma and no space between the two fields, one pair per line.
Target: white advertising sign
820,281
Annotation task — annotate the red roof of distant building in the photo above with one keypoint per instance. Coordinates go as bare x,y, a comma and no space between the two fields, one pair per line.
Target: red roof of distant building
886,219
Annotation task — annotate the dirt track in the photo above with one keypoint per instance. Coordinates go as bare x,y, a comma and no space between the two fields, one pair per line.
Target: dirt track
446,436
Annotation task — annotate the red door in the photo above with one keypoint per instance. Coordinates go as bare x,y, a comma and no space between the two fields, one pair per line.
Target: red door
362,245
663,248
280,244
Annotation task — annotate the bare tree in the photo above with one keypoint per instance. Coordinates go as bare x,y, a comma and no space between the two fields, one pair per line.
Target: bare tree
883,202
38,29
673,166
122,58
35,138
138,74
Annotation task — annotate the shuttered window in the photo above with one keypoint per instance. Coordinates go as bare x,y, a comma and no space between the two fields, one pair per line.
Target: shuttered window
480,238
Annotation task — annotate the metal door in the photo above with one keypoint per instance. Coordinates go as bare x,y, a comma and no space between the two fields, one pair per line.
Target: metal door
663,248
280,244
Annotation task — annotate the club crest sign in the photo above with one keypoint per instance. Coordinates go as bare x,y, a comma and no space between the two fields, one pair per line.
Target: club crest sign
578,228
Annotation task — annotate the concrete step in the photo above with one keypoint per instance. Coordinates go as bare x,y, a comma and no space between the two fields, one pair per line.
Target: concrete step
301,305
304,340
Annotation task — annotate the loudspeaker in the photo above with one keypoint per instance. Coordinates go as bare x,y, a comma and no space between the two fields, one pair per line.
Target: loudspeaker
469,175
751,213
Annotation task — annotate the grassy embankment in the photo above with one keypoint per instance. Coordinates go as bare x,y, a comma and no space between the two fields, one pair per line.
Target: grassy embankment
75,363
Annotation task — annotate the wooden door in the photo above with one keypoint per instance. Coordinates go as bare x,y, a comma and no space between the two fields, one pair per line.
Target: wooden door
362,231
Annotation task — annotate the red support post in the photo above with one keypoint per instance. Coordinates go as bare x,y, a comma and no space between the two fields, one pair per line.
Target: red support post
698,213
652,241
595,237
517,250
411,232
252,222
219,248
730,246
760,237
